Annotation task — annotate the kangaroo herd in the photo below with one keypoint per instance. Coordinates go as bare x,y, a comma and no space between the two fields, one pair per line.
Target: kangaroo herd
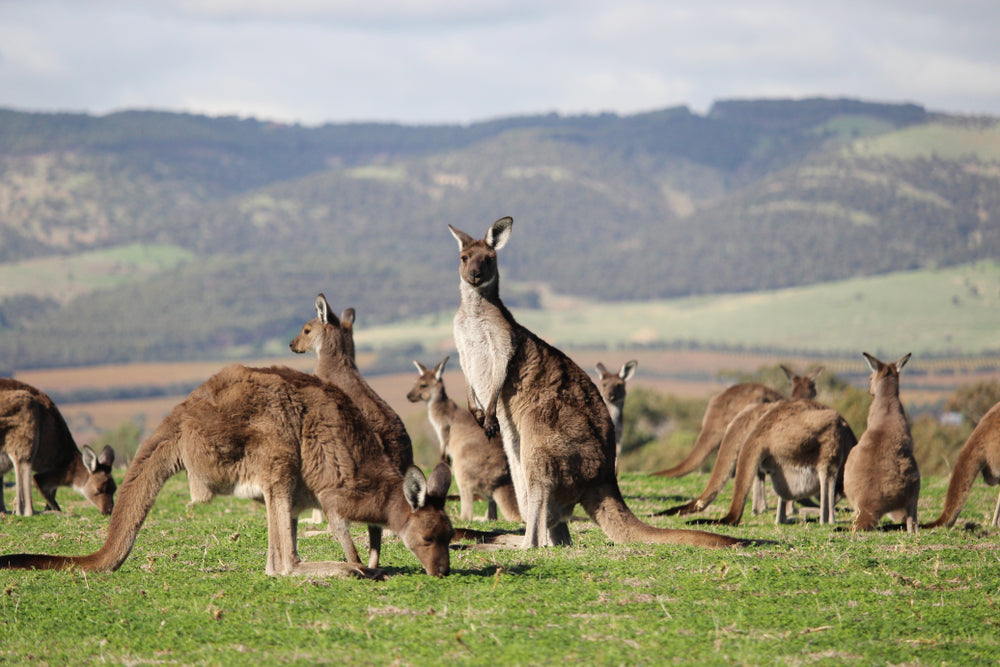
538,438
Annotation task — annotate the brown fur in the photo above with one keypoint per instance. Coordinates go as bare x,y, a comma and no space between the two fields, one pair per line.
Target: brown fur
736,433
612,387
881,475
333,342
802,445
287,439
478,463
557,433
34,436
979,454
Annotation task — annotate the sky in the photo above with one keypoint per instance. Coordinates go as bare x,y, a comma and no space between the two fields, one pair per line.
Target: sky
441,61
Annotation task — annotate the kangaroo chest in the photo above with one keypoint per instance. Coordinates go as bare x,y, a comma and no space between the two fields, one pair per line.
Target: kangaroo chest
485,348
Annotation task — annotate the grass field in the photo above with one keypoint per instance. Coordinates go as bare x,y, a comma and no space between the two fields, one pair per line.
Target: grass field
194,592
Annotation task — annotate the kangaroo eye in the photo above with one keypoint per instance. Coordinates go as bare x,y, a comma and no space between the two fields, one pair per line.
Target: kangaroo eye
465,258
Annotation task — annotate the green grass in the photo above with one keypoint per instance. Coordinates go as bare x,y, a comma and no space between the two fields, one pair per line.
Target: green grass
947,311
194,592
944,140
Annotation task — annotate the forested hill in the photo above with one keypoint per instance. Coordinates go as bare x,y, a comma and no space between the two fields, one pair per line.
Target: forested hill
159,235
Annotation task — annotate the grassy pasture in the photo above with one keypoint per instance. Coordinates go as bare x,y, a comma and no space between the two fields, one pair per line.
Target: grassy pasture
193,592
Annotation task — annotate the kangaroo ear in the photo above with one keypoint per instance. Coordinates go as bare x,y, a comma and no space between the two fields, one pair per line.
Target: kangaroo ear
415,488
89,458
460,236
499,233
628,370
902,361
601,370
420,367
107,457
323,311
347,318
788,372
816,373
440,481
439,370
873,363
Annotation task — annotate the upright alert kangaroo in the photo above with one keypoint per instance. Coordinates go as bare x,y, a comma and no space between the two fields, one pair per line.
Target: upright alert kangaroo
612,386
881,476
979,454
287,439
333,342
34,436
556,430
478,463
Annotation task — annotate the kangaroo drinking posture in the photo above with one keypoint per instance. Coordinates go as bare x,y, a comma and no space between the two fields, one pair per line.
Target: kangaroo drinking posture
556,430
881,476
736,434
979,454
802,445
723,408
333,342
287,439
478,463
34,436
612,386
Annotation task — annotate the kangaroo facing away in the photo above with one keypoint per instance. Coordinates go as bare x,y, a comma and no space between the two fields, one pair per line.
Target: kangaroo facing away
736,434
881,475
612,386
478,463
979,454
332,340
35,437
557,433
802,445
287,439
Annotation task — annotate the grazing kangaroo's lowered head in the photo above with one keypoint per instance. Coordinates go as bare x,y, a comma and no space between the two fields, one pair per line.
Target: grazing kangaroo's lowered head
35,438
612,386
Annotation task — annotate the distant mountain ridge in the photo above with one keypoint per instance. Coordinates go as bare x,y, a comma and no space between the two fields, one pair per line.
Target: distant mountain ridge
754,194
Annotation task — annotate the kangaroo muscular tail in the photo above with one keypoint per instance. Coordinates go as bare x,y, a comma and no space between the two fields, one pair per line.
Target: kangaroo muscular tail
969,464
155,462
607,508
708,441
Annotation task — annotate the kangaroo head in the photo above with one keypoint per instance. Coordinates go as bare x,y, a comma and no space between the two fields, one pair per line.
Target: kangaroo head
427,531
885,377
803,386
325,334
427,381
99,486
612,385
479,258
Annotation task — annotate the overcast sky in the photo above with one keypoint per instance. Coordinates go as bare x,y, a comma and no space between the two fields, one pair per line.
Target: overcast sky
436,61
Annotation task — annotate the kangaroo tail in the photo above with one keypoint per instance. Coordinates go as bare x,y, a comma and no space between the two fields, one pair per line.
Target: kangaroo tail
605,505
750,456
707,442
969,464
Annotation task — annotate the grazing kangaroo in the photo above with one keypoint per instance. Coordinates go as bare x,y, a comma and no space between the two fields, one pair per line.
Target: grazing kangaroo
478,463
287,439
723,408
34,436
979,454
333,342
881,475
612,386
802,445
736,433
556,430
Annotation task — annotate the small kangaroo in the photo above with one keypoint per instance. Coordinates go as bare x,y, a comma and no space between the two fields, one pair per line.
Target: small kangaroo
736,433
287,439
802,445
881,475
557,433
478,463
612,386
333,342
979,454
34,436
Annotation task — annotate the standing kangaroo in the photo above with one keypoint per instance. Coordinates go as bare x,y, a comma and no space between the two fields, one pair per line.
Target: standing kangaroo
802,445
979,454
478,463
881,476
721,410
333,342
612,386
34,436
557,433
287,439
735,435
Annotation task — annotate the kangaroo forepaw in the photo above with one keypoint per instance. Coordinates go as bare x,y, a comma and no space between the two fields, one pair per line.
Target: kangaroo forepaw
373,573
686,508
491,426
